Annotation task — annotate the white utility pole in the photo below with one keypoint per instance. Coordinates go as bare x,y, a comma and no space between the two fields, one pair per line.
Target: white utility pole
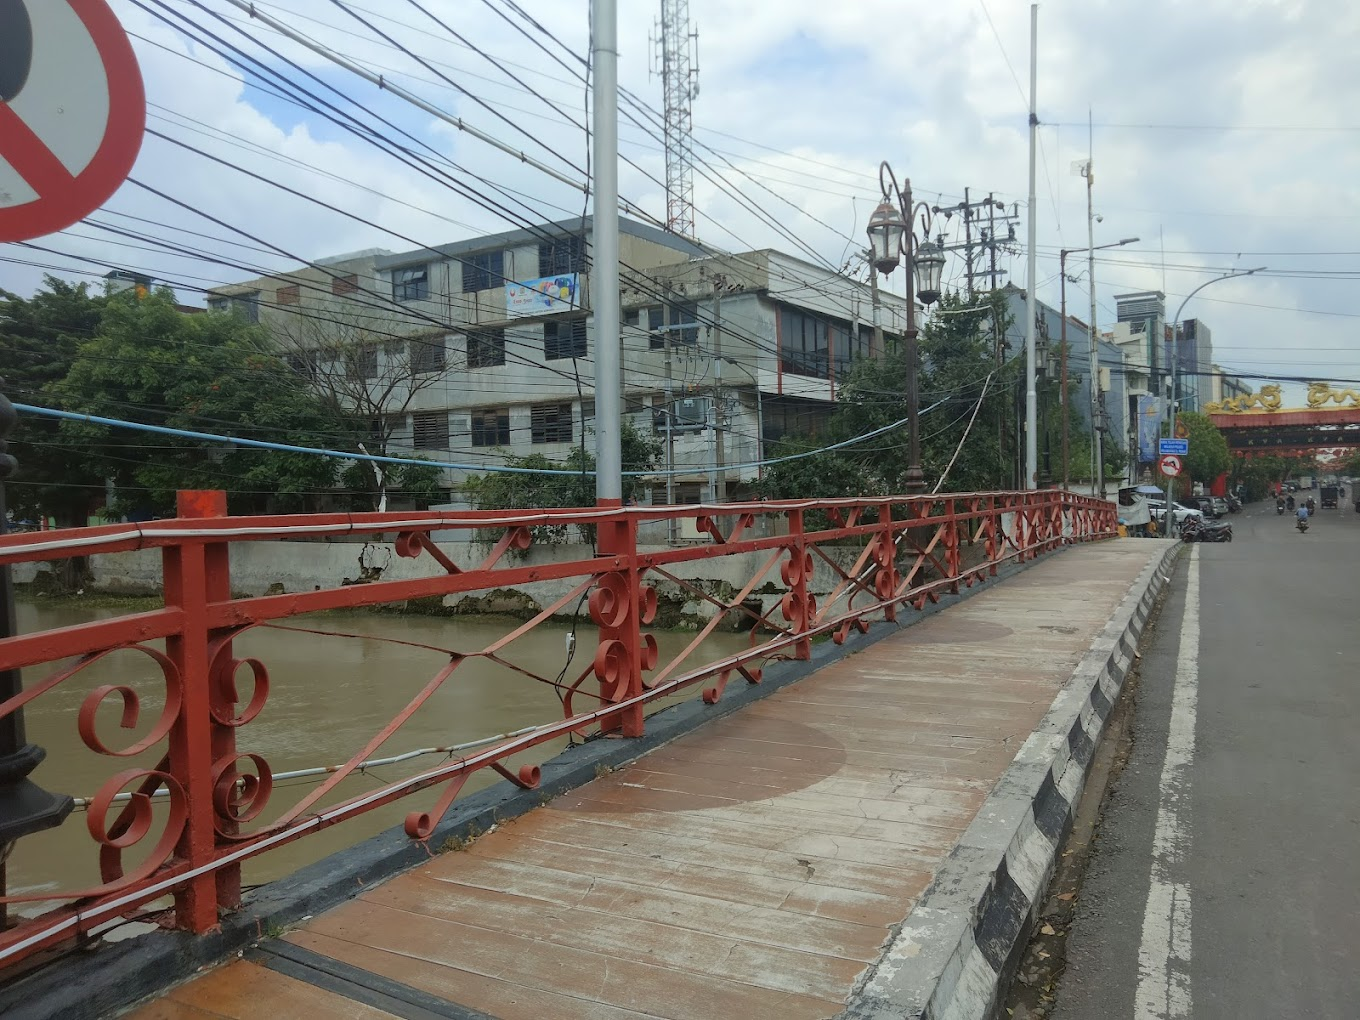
604,263
1031,368
1097,435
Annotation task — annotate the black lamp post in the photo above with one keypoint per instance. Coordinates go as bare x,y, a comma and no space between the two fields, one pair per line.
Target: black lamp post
892,236
24,806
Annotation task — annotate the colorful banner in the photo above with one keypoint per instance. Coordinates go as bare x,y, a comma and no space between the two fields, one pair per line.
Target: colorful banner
542,296
1149,428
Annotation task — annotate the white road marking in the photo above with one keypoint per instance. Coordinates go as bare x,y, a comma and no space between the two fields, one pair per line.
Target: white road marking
1164,955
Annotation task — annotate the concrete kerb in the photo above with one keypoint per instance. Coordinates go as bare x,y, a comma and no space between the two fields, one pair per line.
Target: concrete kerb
957,951
112,978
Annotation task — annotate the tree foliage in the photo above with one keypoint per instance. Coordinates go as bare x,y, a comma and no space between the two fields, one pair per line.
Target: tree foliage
1209,456
538,488
39,339
151,362
970,404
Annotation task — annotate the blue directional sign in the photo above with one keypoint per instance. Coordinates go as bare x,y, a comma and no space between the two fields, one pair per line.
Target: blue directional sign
1180,447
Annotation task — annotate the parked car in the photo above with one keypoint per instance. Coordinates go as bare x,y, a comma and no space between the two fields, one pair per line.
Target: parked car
1221,507
1181,513
1204,504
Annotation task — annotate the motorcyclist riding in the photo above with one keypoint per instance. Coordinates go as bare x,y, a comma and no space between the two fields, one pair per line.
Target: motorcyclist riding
1289,501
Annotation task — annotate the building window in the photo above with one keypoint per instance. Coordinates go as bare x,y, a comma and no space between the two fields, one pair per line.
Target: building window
564,338
484,271
802,344
848,345
561,256
551,423
366,361
430,430
681,315
288,295
491,426
427,356
247,306
485,348
411,284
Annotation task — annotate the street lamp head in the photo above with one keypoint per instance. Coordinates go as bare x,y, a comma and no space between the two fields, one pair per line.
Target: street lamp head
885,230
929,261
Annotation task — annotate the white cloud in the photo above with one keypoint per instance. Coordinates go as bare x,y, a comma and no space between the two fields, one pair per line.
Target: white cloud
835,87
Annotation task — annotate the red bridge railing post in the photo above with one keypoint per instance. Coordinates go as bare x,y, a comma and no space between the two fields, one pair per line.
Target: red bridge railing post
885,584
617,606
799,608
196,573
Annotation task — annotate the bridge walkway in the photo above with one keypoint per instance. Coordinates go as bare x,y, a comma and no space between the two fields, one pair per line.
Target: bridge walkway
754,868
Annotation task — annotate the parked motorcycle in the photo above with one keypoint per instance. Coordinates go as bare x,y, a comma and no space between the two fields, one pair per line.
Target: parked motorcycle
1196,530
1216,531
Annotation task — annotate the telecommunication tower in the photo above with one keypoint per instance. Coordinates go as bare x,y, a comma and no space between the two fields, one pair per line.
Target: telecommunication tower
677,62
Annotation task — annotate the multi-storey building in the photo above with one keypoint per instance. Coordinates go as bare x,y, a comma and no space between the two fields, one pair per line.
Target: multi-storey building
484,347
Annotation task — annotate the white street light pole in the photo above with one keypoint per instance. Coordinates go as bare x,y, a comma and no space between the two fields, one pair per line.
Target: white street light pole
1175,368
1031,311
604,262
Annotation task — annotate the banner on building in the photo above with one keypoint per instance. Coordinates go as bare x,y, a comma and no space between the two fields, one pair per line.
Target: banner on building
542,296
1149,428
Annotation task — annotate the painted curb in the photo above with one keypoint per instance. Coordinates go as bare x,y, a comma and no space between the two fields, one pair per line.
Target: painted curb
956,953
113,978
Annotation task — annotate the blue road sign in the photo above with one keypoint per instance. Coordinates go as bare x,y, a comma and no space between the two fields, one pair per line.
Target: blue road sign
1180,447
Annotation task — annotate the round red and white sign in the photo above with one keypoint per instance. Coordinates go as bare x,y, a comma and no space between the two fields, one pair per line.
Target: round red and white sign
72,113
1170,465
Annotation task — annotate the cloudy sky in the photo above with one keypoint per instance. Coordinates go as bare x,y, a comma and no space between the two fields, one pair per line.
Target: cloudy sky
1225,137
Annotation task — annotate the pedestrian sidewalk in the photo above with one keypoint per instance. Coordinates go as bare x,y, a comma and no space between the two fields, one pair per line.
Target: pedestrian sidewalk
868,841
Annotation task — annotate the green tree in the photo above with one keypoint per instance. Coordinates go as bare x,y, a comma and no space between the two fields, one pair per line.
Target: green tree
39,338
1209,456
368,486
151,362
510,491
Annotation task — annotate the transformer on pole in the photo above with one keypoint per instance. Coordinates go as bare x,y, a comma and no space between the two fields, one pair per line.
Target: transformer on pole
677,62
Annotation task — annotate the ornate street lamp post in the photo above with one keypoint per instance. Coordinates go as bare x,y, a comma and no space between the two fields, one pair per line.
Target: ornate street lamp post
892,236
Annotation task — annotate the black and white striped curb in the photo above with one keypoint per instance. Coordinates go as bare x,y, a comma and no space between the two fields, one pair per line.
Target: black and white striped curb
960,946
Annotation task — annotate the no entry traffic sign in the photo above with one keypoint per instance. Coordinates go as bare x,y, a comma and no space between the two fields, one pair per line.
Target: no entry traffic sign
72,113
1170,465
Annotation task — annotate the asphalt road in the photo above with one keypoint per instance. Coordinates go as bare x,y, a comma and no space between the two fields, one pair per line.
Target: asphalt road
1225,881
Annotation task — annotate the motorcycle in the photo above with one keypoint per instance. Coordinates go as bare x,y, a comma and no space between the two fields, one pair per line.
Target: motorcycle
1302,524
1196,530
1289,502
1279,506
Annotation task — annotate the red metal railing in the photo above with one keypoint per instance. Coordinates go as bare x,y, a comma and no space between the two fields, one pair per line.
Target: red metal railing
881,554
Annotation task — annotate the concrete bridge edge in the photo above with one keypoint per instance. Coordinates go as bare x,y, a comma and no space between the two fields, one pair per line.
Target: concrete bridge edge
958,950
110,979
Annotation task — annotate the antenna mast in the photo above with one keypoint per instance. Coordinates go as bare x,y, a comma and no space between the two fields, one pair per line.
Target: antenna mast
677,52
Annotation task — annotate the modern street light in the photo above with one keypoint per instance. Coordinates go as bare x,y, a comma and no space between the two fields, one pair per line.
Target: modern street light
1062,273
1175,367
892,236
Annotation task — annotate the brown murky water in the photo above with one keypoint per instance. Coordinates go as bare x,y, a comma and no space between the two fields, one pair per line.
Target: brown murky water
328,696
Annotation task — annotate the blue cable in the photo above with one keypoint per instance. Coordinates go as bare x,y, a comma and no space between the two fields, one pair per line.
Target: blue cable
261,444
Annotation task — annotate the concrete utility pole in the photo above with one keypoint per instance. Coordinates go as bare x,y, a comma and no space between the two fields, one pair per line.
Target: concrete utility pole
1097,433
1031,368
719,446
604,267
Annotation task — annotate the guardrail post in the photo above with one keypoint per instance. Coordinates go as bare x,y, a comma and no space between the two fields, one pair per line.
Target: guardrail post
953,558
196,573
885,582
799,608
616,606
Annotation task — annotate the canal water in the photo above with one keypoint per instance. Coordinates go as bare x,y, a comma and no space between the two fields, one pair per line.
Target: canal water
328,696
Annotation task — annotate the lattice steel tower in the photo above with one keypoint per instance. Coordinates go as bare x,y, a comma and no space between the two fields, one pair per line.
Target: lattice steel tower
677,57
